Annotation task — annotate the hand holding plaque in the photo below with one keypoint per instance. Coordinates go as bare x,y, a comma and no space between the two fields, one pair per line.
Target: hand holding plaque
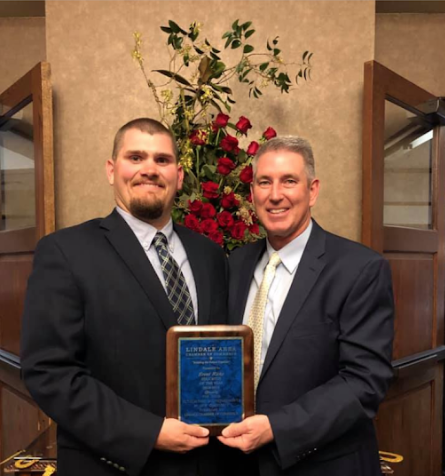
210,375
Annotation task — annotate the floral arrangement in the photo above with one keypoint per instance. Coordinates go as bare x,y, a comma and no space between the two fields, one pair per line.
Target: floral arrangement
215,153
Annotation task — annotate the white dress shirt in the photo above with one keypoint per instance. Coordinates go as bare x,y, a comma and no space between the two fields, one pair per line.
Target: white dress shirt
290,256
145,234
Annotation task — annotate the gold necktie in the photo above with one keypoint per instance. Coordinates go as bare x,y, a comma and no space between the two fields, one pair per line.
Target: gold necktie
256,316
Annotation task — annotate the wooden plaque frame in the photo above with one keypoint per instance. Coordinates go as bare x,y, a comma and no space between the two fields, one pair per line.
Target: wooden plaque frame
174,335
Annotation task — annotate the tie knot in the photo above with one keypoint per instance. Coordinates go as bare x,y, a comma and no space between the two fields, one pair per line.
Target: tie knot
274,260
160,240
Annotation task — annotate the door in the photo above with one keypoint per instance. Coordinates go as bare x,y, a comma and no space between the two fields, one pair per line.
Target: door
403,218
27,214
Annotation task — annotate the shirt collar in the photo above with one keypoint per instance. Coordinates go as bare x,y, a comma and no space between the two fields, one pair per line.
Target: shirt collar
145,232
290,254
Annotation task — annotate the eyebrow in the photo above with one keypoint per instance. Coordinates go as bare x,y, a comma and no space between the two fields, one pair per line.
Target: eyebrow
143,152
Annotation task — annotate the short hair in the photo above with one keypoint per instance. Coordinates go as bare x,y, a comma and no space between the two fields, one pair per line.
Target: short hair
291,144
144,124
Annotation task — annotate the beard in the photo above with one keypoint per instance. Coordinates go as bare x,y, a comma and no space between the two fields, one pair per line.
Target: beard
147,210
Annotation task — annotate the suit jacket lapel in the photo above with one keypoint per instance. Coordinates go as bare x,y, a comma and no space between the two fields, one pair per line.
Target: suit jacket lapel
308,271
200,271
243,281
124,241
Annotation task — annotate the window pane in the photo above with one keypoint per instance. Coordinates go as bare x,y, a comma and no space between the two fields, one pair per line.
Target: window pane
407,173
17,175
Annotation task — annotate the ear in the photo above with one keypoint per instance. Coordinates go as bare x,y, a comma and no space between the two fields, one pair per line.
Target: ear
180,177
109,168
252,194
314,188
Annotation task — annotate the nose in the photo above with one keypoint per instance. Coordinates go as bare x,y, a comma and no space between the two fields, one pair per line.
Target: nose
275,193
149,168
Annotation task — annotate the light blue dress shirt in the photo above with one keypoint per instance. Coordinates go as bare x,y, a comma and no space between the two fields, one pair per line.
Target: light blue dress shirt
290,256
145,234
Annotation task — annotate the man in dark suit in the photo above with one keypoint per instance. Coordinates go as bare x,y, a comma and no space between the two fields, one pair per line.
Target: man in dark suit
322,313
100,300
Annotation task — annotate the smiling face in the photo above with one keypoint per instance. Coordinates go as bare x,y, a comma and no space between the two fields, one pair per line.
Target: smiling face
145,176
282,195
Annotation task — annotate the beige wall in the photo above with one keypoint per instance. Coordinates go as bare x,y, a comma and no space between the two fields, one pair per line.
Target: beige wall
98,87
412,45
23,46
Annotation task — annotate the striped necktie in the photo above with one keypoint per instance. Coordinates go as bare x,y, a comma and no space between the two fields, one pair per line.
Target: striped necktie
177,290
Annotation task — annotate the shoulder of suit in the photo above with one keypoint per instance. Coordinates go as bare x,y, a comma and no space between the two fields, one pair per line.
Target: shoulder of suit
349,248
74,232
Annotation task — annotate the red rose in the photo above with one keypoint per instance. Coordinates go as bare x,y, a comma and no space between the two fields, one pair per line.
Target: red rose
253,148
229,200
225,219
192,222
254,229
229,143
221,120
243,125
238,230
225,166
210,189
209,226
246,174
208,210
198,137
195,206
269,133
217,237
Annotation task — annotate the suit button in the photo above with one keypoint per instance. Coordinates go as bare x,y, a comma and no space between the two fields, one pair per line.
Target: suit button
121,468
109,462
103,459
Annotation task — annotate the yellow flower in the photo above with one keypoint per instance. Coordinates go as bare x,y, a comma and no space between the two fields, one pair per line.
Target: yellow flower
244,214
167,94
227,190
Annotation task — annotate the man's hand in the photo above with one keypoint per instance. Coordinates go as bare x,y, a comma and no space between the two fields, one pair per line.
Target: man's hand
180,437
248,435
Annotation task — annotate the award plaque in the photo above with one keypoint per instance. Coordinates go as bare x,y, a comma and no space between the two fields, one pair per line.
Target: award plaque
210,375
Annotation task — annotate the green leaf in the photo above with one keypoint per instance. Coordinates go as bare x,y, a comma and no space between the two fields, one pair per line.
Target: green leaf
304,55
174,76
226,35
176,28
166,29
235,24
235,44
263,66
276,52
229,40
213,56
268,46
232,101
209,171
248,49
214,50
249,34
275,40
246,25
246,73
309,57
199,51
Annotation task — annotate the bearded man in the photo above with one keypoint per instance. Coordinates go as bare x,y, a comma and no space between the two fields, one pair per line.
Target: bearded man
100,300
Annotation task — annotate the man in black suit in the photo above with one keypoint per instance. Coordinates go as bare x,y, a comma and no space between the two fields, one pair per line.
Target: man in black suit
323,313
97,313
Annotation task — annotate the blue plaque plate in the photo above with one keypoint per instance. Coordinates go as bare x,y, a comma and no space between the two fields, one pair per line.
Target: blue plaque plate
211,374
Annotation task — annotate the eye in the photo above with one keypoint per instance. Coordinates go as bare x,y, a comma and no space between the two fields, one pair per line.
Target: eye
290,182
263,183
135,158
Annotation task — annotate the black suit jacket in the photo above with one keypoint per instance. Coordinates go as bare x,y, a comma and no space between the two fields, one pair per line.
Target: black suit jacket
93,345
328,365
